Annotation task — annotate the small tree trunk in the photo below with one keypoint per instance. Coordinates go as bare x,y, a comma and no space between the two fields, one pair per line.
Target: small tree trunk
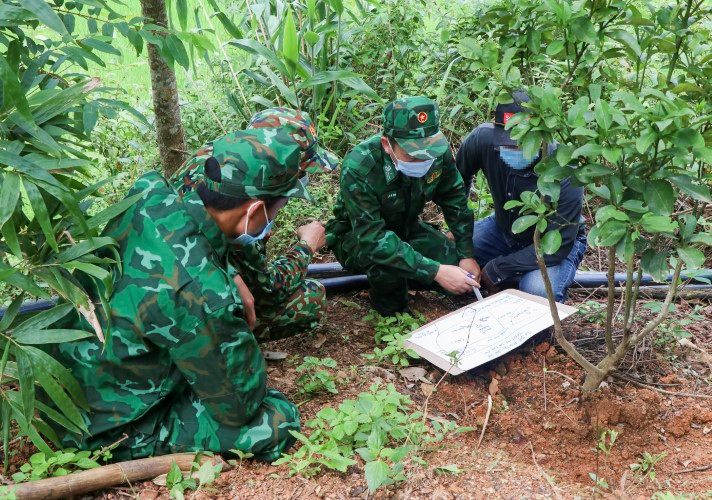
169,129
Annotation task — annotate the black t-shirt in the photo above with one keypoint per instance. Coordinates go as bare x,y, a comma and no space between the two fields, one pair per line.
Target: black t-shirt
478,153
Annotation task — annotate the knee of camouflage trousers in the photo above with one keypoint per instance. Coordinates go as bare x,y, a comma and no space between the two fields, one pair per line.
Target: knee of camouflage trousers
188,427
302,312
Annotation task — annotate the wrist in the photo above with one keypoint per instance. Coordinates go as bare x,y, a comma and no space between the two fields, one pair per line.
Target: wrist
308,245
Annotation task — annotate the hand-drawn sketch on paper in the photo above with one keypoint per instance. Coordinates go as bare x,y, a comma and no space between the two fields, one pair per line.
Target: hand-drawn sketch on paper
484,330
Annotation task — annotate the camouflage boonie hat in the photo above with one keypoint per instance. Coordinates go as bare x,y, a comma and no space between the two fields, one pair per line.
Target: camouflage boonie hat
414,123
300,127
261,163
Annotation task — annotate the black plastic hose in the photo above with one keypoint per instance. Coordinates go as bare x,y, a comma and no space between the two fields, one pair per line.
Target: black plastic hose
337,280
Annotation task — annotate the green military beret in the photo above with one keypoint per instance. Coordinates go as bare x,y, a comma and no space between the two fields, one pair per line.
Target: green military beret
259,163
300,127
414,123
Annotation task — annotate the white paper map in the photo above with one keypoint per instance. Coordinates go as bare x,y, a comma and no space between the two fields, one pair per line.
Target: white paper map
484,330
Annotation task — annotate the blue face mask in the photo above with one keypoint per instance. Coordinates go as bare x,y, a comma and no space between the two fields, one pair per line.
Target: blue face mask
514,158
246,238
412,168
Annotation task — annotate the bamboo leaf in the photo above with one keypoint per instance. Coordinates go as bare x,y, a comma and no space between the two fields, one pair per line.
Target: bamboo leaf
31,431
45,14
41,214
9,195
84,247
59,397
13,94
43,319
29,168
10,313
20,280
177,50
113,211
57,417
5,423
9,232
64,376
90,269
51,336
290,42
26,378
255,47
182,8
348,78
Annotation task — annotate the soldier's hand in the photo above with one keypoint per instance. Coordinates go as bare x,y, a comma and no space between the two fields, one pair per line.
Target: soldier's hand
313,235
455,280
472,267
248,301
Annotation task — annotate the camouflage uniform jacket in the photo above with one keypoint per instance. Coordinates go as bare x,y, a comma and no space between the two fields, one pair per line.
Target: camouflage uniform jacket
381,206
271,282
176,321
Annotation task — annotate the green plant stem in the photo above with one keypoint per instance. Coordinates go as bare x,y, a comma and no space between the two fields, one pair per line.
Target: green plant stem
628,324
678,42
654,323
610,306
589,367
629,304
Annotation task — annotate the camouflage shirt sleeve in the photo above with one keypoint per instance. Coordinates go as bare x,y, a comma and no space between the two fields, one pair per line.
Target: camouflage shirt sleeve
377,244
450,196
271,282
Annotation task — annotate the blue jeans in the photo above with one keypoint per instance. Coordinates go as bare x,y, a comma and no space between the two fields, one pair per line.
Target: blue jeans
490,243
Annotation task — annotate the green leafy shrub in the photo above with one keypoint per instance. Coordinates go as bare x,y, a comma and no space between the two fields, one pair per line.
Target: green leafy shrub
197,478
379,426
620,87
314,378
60,463
393,331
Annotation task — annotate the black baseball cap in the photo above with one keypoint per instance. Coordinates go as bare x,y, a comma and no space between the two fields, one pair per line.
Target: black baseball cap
502,114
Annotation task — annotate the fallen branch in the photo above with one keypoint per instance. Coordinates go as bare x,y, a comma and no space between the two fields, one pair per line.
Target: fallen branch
487,416
103,477
657,389
694,469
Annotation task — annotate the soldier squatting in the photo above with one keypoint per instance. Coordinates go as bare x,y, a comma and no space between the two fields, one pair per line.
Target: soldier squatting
195,294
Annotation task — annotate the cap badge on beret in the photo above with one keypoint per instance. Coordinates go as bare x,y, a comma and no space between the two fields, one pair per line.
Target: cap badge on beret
422,117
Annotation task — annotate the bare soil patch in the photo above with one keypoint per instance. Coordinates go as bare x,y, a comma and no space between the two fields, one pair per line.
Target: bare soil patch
542,435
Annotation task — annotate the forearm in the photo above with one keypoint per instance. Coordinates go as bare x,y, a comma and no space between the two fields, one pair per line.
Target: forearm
288,273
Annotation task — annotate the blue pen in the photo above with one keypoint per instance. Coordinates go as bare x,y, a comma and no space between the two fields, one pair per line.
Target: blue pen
475,289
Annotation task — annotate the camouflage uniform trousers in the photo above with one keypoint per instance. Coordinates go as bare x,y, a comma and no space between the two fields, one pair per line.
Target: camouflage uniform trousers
300,313
185,426
389,292
188,427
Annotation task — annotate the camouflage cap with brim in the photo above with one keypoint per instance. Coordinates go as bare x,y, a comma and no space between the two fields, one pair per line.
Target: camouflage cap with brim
414,123
260,163
300,127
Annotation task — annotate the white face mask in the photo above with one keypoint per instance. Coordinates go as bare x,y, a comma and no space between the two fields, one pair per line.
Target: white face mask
246,238
411,168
